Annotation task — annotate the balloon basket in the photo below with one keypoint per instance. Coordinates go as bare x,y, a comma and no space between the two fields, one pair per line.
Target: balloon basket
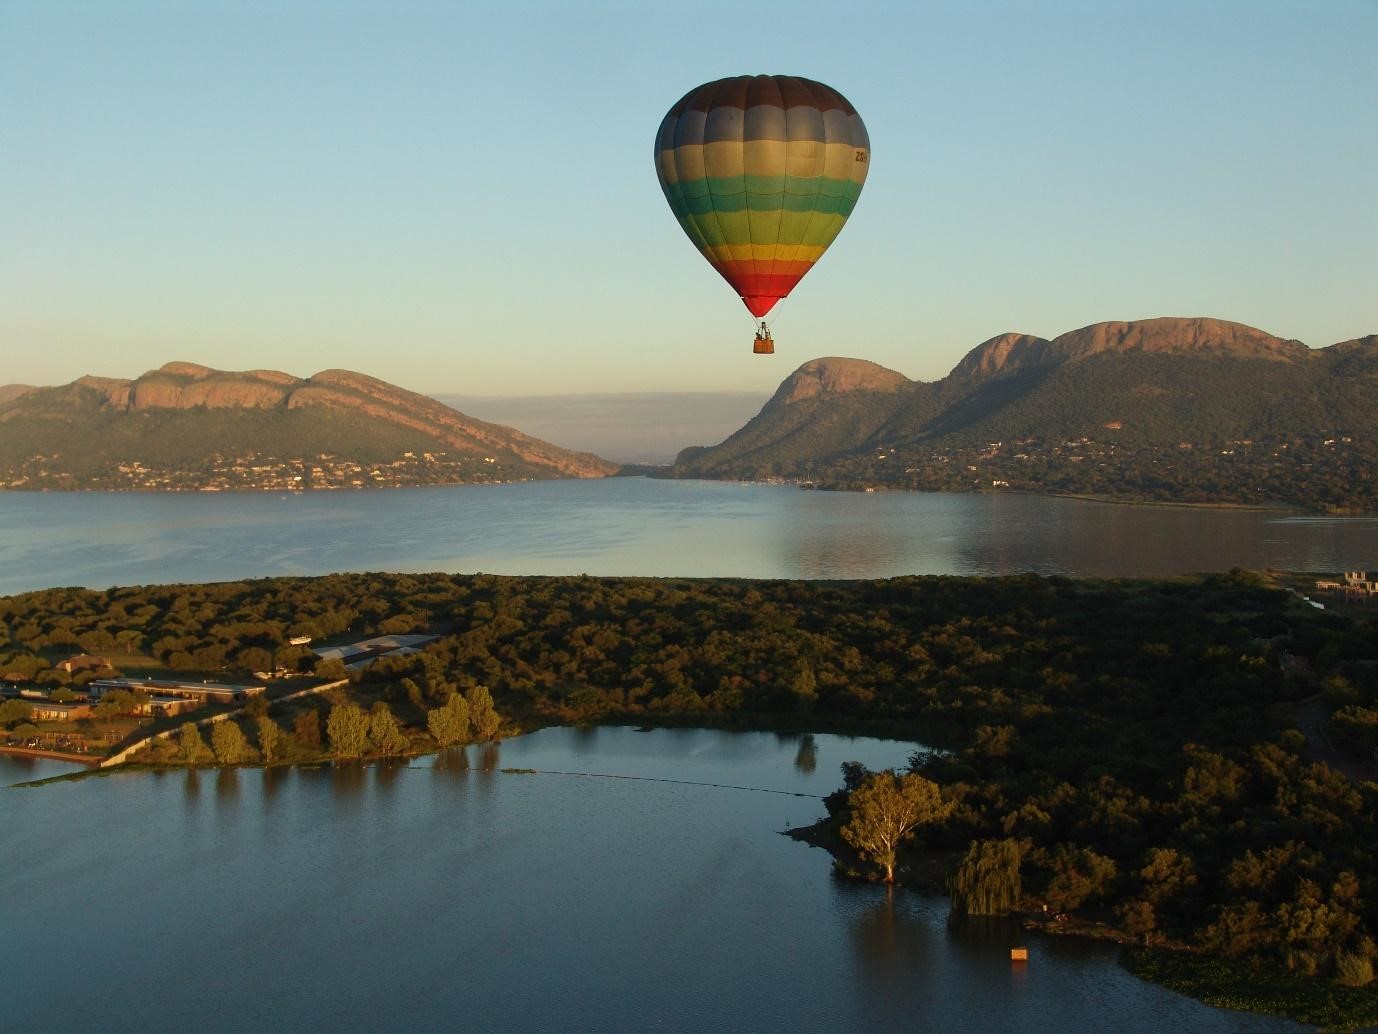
764,346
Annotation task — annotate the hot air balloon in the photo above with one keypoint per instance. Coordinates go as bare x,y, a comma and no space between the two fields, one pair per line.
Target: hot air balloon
762,171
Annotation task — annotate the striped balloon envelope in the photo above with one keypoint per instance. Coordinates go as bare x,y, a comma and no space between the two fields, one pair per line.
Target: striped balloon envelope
762,171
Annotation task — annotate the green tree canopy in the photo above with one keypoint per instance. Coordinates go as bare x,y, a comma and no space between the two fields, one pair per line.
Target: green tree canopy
383,732
191,748
269,738
347,729
229,744
482,716
886,809
449,724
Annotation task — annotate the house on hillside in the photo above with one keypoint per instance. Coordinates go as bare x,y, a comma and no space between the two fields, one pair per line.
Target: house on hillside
197,693
84,662
47,711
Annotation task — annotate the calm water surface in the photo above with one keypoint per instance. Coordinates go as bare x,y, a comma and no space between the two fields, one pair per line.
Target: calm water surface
636,526
444,895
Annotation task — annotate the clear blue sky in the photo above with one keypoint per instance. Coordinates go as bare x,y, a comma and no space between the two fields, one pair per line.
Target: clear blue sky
459,196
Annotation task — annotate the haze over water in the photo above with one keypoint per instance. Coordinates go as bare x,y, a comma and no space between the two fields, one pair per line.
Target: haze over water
642,527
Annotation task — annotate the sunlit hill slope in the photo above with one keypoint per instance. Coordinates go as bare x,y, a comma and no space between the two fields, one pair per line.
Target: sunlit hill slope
1198,410
187,426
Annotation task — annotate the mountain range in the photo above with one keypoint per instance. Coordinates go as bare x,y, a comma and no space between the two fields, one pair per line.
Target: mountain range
1162,408
189,426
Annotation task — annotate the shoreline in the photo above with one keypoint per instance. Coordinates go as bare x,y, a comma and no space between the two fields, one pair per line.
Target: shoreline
1221,983
91,760
797,483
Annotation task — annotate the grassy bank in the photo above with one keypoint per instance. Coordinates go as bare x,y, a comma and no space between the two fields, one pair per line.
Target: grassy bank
1251,985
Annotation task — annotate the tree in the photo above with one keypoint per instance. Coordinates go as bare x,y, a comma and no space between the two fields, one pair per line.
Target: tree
330,668
229,744
12,712
383,732
254,658
269,738
191,748
886,809
987,881
347,730
450,723
1079,875
482,716
306,728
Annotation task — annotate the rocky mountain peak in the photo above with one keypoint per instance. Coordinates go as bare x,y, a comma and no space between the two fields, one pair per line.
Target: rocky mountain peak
836,376
1012,353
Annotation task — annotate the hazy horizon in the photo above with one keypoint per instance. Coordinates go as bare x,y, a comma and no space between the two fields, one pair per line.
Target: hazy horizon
625,427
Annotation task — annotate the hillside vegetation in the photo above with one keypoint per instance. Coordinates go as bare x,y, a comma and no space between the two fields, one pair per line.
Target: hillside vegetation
187,426
1189,410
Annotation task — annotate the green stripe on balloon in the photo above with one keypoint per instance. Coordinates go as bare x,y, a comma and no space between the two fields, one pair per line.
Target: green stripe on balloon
763,202
714,229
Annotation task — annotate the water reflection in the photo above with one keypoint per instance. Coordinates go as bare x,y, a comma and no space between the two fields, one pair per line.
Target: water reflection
750,914
890,943
985,936
347,782
386,773
490,757
452,761
273,780
191,788
806,760
227,785
631,526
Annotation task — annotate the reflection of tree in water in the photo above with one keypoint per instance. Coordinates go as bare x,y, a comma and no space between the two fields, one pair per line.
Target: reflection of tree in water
806,760
347,779
892,944
452,761
386,773
227,784
191,786
983,938
490,757
274,778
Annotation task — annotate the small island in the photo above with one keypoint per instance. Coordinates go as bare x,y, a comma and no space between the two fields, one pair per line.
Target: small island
1183,765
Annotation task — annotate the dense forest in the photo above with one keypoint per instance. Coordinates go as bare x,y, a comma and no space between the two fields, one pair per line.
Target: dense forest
1132,746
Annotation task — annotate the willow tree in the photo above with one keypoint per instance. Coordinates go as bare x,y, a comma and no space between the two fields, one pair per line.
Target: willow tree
987,881
886,809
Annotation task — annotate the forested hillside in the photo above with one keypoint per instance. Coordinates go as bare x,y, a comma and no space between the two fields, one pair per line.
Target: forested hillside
187,426
1178,410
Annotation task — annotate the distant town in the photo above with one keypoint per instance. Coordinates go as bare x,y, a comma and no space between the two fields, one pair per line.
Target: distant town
258,472
1324,471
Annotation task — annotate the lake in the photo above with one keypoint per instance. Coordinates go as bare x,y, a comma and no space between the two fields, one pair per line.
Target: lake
443,894
640,526
446,895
